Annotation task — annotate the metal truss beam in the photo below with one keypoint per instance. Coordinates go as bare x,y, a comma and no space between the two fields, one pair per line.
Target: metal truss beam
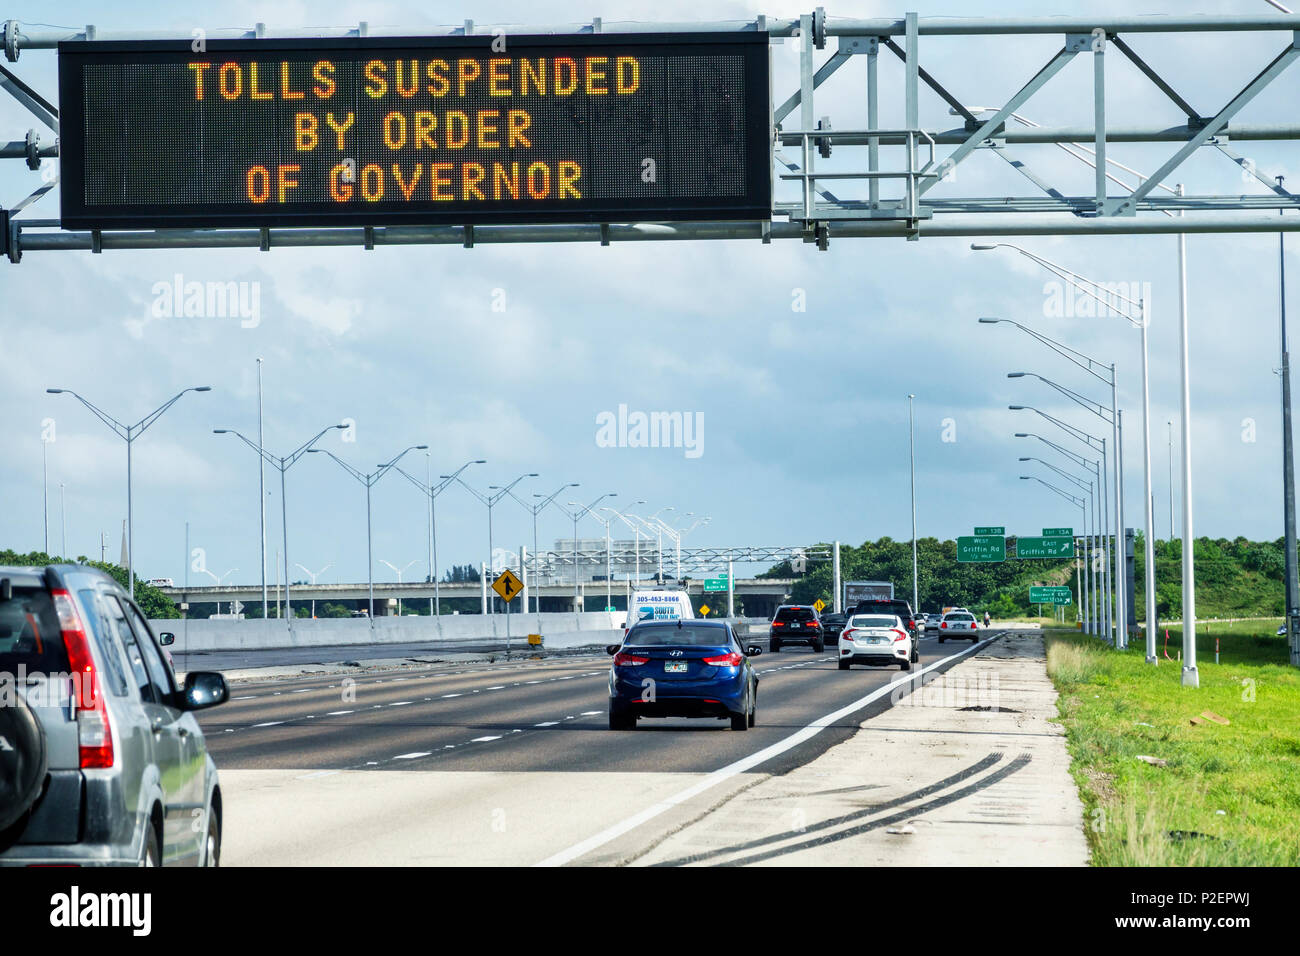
822,213
968,225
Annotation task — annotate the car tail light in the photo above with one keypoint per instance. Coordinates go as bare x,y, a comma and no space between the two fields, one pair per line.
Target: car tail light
902,635
733,659
778,624
624,659
94,732
944,625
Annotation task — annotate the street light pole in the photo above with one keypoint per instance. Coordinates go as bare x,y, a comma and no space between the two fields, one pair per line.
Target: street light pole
579,510
490,500
432,490
535,510
261,486
1082,401
129,433
911,444
313,576
1113,508
1089,287
399,579
369,480
283,465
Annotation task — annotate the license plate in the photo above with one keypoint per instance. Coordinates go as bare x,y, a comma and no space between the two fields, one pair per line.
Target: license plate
675,667
880,640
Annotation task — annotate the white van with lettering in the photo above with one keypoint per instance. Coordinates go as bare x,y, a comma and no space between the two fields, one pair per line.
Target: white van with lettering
658,605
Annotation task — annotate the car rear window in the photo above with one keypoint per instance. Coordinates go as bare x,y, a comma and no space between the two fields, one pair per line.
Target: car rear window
960,617
873,620
667,636
29,633
795,614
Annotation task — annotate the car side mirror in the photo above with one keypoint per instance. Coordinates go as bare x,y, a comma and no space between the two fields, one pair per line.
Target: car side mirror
204,689
612,648
753,650
166,638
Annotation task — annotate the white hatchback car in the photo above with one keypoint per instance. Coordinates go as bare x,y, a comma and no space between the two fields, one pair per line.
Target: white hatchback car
879,639
957,624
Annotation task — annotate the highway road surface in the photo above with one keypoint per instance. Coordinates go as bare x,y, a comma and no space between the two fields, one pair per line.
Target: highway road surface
508,763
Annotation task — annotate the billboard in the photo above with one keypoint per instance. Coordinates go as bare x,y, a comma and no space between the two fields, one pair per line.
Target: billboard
437,130
855,591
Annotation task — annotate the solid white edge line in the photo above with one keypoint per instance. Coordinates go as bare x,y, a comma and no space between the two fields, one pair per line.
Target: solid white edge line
711,780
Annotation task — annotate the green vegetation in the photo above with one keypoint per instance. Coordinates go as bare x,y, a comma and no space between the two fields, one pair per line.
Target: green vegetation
1226,795
1234,578
152,601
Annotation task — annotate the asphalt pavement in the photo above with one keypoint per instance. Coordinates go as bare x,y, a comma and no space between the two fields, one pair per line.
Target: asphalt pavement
311,764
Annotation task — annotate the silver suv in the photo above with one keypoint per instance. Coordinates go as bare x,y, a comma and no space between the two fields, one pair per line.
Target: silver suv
101,759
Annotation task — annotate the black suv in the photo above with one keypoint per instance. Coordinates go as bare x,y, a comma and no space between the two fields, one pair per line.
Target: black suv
890,606
797,624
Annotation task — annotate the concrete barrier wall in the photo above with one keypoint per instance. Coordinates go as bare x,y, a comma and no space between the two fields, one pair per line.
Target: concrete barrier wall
559,630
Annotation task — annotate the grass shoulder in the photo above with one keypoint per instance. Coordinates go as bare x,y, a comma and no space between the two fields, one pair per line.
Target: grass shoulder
1209,793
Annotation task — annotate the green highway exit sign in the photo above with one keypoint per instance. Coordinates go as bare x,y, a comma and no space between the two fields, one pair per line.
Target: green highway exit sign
1058,532
984,532
715,584
981,548
1050,595
1045,547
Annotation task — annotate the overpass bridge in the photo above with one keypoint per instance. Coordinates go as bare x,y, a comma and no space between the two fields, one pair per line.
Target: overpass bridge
758,596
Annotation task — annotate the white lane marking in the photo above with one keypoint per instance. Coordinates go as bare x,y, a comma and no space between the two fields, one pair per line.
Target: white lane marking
526,682
445,696
318,773
590,713
305,690
249,697
400,703
723,774
270,723
498,687
483,740
339,713
547,723
414,756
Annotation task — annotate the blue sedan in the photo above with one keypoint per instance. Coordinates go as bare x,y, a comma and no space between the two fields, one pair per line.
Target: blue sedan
682,669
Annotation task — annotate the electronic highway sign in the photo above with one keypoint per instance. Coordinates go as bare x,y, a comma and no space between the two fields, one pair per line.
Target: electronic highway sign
413,131
1054,547
981,548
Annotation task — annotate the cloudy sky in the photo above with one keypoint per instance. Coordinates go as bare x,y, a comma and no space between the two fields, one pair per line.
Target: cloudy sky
798,362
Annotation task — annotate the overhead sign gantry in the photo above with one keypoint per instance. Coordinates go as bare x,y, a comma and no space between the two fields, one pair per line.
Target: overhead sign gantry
637,131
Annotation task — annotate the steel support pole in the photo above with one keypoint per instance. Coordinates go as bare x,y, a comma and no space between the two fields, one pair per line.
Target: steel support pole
1149,551
370,560
1190,676
1121,549
911,437
45,494
261,487
284,529
130,523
